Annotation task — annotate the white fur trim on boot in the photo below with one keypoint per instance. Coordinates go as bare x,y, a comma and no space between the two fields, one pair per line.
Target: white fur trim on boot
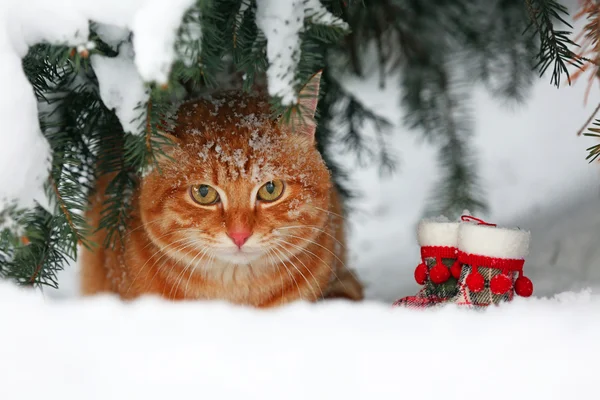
437,232
495,242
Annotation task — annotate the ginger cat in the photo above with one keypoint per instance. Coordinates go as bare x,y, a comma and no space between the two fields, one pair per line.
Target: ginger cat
243,210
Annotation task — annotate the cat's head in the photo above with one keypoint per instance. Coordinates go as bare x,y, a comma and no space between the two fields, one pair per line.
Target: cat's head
239,186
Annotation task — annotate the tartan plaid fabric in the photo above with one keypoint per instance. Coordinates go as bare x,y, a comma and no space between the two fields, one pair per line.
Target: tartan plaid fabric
418,302
484,298
478,268
431,294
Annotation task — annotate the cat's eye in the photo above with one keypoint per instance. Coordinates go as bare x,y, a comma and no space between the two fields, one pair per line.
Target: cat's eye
204,194
271,190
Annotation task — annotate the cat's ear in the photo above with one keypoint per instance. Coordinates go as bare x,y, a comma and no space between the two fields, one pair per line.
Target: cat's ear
303,118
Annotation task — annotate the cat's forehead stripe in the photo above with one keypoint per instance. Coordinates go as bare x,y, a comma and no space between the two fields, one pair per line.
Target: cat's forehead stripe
229,111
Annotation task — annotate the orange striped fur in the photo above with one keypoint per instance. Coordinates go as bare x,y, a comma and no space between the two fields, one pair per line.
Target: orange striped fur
179,249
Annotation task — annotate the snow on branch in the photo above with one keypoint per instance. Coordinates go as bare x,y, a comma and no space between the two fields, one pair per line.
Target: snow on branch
25,154
282,21
316,13
124,91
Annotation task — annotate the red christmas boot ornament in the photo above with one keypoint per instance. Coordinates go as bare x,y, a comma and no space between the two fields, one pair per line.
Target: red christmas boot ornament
456,269
492,258
500,284
475,282
438,239
421,273
523,286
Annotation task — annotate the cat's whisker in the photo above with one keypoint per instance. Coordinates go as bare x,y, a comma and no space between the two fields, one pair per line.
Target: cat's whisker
211,261
146,224
179,279
150,258
327,211
190,266
279,271
278,248
168,247
320,245
315,228
150,243
273,260
288,271
332,253
189,246
204,252
305,267
163,236
323,261
183,247
273,263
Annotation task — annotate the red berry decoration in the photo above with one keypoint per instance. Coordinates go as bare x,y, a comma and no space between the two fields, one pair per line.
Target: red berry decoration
455,270
475,282
500,284
421,274
524,286
439,274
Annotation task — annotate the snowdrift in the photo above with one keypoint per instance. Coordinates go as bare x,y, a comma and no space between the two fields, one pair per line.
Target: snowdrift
102,348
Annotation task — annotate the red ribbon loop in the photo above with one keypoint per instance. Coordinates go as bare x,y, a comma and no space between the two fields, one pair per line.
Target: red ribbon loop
465,218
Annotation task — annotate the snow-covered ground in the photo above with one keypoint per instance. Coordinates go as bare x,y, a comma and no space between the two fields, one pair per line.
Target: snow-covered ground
101,349
536,177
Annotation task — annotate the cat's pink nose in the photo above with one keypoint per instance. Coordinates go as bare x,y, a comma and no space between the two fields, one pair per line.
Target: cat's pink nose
239,237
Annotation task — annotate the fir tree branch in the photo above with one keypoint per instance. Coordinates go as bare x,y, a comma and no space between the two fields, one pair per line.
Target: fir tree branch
148,131
589,120
593,151
64,208
37,270
554,44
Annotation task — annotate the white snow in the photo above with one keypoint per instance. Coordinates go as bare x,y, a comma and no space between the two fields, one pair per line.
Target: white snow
25,154
149,349
155,27
122,88
318,14
435,233
536,178
282,21
492,241
111,35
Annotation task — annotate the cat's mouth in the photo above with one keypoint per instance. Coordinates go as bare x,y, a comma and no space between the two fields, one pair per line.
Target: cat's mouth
244,255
